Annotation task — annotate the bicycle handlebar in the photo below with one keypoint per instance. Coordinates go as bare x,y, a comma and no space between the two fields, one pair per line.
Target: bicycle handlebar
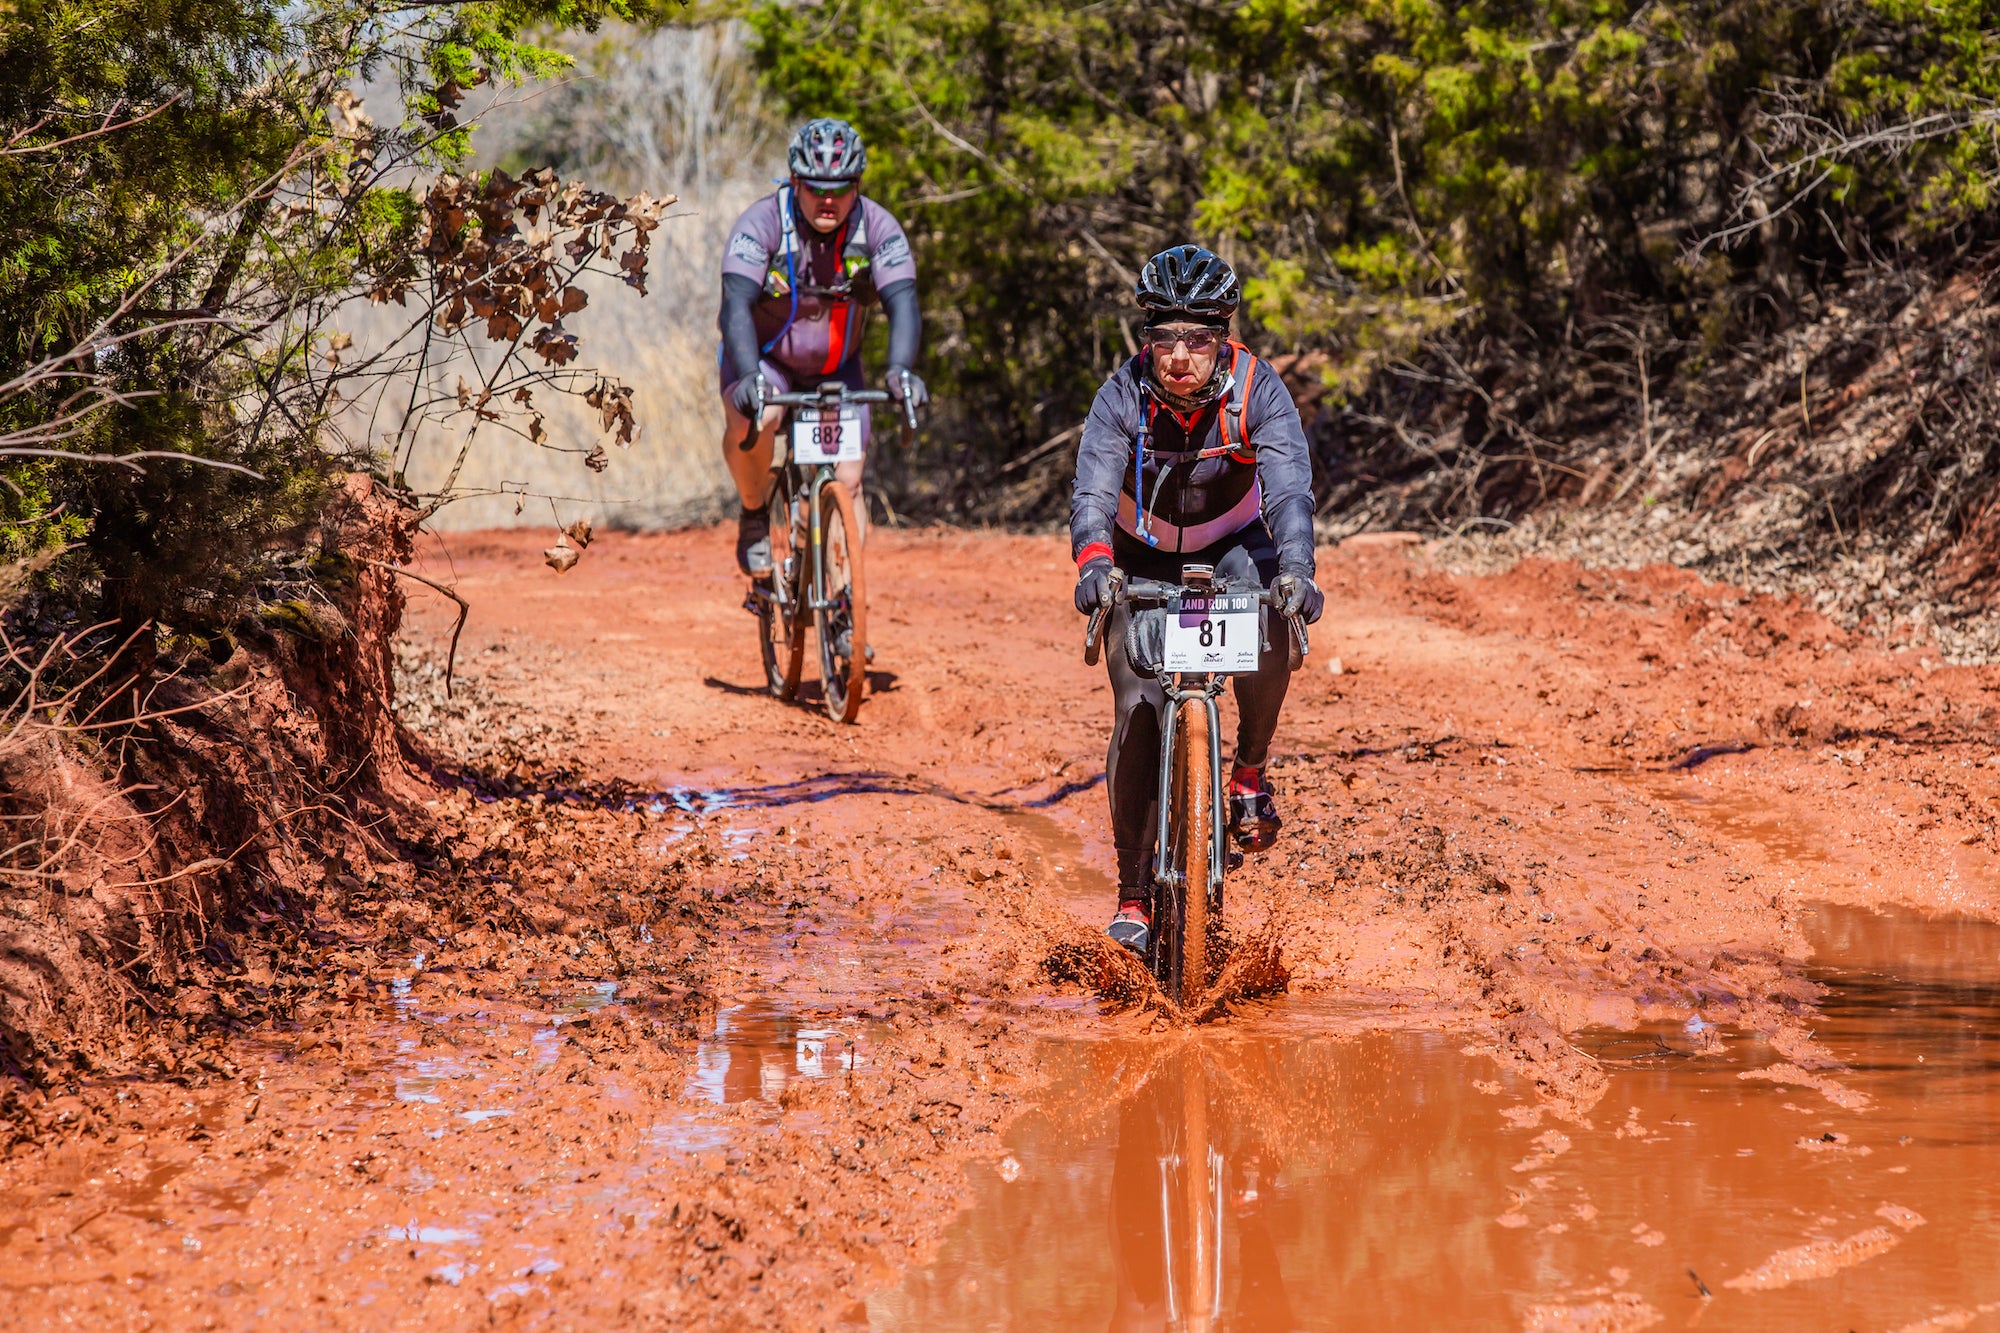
814,400
822,397
1128,591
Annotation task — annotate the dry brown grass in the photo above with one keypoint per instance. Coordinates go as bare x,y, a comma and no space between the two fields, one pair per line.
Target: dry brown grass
667,112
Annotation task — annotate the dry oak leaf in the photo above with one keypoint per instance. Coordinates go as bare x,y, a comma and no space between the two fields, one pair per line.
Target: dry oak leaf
555,345
579,532
561,557
633,262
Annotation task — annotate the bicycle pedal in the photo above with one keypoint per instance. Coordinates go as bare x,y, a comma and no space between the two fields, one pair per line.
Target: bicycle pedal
1232,860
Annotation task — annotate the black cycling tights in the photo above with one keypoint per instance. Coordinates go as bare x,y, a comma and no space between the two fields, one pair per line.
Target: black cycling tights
1132,767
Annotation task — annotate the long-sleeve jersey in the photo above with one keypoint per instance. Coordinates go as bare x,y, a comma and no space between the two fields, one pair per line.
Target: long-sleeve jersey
1190,502
811,311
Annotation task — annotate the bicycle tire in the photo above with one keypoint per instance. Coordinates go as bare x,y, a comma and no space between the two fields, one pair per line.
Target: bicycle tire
842,617
1192,828
781,628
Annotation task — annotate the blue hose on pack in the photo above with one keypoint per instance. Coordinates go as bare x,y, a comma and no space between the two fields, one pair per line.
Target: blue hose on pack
791,270
1145,528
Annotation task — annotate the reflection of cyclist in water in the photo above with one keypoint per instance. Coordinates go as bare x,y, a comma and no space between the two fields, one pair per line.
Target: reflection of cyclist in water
1165,1202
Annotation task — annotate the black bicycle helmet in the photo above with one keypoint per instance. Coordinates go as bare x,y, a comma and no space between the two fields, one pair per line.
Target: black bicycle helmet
827,150
1188,282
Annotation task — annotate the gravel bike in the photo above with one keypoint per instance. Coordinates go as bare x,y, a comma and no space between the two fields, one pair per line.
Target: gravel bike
1192,636
816,567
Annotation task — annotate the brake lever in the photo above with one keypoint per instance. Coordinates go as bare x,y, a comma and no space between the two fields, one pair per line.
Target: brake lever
909,408
756,415
1092,647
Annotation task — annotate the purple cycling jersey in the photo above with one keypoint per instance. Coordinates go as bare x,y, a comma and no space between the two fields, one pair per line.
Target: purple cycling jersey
826,332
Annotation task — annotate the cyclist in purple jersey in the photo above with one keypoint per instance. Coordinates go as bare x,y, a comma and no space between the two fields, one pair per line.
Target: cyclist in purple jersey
1192,454
803,267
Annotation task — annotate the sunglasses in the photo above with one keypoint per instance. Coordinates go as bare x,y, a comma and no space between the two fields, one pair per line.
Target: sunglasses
830,189
1163,341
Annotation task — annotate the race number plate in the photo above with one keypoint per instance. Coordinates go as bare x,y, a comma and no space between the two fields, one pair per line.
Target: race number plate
819,437
1215,634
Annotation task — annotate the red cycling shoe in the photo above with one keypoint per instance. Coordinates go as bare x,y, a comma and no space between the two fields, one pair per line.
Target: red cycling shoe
1133,926
1253,815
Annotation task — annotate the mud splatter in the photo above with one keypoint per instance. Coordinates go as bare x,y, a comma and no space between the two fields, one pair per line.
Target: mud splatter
1620,1313
1816,1259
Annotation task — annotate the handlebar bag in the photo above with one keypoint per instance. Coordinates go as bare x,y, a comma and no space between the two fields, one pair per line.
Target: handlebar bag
1146,638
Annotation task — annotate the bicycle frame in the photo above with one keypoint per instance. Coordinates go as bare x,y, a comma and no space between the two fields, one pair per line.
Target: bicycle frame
1182,688
831,396
808,503
1208,689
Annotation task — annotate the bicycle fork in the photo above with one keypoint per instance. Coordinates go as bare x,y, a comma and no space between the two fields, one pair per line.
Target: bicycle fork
816,598
1218,845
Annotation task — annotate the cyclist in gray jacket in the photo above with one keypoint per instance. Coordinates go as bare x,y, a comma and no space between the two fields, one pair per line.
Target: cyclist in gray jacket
1192,454
802,269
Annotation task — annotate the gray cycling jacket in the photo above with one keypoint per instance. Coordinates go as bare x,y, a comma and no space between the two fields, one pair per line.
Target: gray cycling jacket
1191,502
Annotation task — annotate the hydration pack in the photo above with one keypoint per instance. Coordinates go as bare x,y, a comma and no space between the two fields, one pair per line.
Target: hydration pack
1239,447
782,277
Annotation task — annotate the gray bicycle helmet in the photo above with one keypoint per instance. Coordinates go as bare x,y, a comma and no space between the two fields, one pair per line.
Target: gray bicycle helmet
1188,282
827,150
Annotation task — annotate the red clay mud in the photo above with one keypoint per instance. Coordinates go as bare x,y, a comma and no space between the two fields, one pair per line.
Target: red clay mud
717,1003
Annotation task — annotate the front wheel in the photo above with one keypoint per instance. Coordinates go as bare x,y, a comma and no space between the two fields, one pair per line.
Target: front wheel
1181,908
841,613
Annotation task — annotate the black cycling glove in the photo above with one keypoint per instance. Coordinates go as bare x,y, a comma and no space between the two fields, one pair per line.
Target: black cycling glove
749,394
1093,585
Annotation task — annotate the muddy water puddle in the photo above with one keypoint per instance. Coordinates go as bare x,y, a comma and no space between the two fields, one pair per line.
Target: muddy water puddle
757,1049
754,1053
1280,1175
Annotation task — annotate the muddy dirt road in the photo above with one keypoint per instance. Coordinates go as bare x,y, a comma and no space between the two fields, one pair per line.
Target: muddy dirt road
1637,939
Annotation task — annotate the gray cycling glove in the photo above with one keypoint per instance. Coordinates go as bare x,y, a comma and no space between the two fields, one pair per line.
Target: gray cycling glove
919,395
1299,596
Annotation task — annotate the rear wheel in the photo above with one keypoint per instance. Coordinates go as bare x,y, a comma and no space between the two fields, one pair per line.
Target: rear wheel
1191,827
781,625
842,623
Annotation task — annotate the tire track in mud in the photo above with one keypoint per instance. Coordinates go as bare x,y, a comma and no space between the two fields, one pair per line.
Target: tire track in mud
1527,807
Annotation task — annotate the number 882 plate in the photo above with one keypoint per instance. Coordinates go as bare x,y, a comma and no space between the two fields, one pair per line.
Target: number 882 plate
1217,634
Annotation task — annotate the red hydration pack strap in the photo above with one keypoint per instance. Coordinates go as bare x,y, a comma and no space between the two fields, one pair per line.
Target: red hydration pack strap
1237,403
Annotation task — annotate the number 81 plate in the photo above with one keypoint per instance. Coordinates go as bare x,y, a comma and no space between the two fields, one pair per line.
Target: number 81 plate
823,438
1214,634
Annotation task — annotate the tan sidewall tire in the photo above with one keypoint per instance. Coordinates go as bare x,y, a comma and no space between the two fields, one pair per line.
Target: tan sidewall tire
1196,827
835,501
